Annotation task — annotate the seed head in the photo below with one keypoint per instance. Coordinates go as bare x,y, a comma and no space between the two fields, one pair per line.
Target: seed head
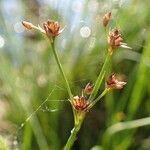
80,103
27,25
52,28
115,40
113,83
106,18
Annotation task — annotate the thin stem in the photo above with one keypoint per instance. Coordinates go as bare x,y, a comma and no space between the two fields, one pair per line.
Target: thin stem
98,98
73,135
100,78
38,28
71,139
61,70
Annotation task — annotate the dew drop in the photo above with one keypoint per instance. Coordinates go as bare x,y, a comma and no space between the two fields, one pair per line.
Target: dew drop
22,125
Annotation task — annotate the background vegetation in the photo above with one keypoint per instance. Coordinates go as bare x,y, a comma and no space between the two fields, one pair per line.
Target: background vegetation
28,73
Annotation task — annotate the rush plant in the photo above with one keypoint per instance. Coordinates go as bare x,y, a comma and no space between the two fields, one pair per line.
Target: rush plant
82,104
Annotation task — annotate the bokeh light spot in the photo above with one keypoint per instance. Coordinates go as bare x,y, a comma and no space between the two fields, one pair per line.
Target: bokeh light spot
85,32
2,42
18,27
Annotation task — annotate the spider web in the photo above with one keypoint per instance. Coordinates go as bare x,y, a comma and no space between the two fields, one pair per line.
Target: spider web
44,108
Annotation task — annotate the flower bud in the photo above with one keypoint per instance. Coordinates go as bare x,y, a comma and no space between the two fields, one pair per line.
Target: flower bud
113,83
27,25
88,89
106,18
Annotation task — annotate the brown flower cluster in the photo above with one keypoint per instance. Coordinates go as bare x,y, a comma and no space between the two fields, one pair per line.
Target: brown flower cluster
113,83
81,103
115,39
52,28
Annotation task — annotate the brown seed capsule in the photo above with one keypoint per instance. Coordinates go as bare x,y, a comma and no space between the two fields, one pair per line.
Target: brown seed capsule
106,18
88,89
52,28
27,25
115,40
80,103
113,83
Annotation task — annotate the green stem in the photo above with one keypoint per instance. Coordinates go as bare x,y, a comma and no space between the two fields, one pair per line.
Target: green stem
98,98
73,135
61,70
100,78
71,139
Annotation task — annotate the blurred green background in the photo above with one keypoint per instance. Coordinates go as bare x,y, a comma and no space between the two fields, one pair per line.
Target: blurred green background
28,73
